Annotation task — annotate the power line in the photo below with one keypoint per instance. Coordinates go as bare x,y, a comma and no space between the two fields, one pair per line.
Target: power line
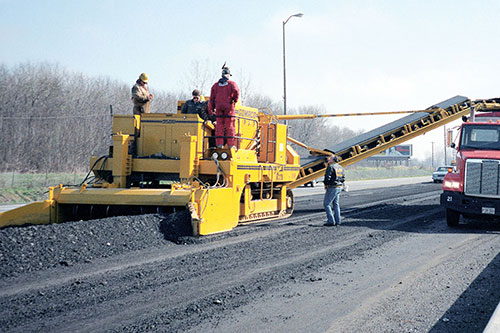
52,117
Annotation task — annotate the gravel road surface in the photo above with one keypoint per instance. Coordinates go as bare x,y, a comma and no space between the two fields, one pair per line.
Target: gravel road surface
392,266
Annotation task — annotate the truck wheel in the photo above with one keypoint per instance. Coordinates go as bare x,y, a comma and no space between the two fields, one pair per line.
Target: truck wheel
452,217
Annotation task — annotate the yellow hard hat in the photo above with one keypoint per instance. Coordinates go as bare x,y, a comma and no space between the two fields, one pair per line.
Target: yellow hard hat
143,77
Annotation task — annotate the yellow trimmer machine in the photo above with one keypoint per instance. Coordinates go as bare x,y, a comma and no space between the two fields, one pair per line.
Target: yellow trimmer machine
163,162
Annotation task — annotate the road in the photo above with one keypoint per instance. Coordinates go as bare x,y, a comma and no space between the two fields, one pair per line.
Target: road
393,265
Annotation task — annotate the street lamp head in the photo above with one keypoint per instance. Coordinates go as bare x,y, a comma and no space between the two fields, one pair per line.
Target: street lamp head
294,15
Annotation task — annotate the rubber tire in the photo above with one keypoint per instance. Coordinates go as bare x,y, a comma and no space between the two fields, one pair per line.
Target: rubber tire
452,217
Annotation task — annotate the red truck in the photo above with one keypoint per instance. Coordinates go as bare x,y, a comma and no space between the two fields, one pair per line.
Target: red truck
474,188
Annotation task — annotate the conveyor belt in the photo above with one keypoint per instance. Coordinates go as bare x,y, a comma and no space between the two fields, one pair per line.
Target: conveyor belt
384,137
377,132
449,102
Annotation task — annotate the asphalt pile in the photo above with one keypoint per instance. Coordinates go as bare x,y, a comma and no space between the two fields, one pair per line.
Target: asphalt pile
39,247
177,227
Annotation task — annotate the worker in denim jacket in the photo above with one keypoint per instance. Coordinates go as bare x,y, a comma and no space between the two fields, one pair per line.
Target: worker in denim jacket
334,181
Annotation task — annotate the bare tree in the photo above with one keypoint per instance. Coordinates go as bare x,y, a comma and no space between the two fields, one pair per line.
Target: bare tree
316,132
244,83
52,119
165,102
332,135
198,76
306,130
263,102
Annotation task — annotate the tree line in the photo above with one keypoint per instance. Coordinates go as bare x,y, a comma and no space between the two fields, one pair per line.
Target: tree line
52,119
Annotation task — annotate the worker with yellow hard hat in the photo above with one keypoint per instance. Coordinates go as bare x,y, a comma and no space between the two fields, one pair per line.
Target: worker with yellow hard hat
141,96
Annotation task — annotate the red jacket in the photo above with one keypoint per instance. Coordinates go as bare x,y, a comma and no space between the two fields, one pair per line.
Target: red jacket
224,93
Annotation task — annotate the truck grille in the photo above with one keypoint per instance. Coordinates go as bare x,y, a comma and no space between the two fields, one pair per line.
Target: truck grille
482,178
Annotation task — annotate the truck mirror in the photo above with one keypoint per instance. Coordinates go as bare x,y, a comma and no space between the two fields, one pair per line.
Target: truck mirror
452,145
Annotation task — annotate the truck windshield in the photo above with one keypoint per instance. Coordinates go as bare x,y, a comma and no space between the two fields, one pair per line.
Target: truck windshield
486,137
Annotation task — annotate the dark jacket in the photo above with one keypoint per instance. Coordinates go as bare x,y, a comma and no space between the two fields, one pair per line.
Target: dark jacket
334,175
199,108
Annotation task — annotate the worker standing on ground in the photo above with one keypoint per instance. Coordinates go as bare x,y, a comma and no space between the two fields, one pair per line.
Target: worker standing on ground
141,96
223,96
334,180
198,106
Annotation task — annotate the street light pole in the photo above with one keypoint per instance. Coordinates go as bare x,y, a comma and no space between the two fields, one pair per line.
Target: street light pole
445,135
284,63
432,155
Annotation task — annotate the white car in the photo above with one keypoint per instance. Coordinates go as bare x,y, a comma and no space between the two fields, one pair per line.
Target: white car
314,182
438,175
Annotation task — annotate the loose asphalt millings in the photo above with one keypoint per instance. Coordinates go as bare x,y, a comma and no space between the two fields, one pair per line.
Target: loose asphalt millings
39,247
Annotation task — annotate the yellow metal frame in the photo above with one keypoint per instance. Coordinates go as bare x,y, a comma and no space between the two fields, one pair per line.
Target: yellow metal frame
33,213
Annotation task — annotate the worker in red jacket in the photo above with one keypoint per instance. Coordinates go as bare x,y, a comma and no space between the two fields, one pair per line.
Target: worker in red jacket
223,96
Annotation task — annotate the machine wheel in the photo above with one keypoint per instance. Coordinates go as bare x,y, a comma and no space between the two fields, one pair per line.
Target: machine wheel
452,217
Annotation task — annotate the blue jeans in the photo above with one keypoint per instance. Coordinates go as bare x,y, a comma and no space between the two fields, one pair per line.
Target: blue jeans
332,199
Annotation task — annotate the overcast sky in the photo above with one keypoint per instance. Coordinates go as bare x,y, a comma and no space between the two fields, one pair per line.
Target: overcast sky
348,56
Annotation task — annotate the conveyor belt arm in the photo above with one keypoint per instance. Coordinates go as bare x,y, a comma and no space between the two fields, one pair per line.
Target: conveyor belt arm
390,135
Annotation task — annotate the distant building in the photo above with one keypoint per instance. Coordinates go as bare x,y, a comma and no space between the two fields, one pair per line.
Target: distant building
396,155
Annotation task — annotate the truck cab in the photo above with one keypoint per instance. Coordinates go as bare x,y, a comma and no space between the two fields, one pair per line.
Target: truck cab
474,188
